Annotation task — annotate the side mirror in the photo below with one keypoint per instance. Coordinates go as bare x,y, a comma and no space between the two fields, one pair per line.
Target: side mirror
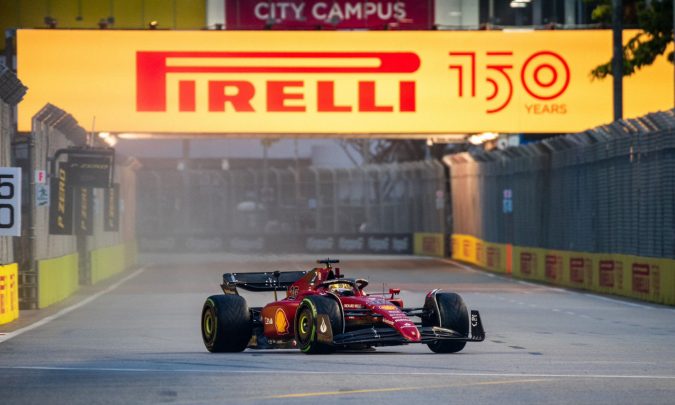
394,291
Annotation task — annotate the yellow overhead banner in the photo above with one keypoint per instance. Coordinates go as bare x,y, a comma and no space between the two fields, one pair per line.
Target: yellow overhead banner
330,82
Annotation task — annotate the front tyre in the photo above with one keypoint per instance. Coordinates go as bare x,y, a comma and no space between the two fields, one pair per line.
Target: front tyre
306,323
447,310
226,323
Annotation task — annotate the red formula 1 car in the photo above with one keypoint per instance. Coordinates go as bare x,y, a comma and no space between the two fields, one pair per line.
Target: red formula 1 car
324,311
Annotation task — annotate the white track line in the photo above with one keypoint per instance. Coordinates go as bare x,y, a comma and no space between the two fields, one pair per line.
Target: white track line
64,311
374,373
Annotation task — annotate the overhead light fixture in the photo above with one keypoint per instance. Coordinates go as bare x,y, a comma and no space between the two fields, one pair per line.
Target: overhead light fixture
479,139
153,24
517,4
108,138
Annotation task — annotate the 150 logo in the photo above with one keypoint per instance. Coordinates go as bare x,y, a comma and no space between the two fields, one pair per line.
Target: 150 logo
544,75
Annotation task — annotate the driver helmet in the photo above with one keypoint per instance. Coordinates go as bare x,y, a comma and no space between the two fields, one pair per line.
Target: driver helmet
340,288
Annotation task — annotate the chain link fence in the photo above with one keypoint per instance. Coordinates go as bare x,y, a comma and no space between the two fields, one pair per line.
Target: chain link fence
374,199
606,190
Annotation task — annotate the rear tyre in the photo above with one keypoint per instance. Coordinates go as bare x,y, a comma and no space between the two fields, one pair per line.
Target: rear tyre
306,323
226,323
450,313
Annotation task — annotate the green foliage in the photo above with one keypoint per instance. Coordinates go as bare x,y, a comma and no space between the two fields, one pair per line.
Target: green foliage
655,18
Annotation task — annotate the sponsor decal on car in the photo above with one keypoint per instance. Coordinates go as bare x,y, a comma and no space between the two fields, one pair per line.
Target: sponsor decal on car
293,291
281,322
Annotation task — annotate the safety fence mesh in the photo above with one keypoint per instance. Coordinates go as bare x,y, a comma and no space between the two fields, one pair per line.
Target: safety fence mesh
374,199
610,189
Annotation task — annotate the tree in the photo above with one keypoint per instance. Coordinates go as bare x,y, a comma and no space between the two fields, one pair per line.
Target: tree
654,17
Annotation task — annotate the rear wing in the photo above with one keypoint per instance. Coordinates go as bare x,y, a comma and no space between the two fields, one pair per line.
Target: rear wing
272,281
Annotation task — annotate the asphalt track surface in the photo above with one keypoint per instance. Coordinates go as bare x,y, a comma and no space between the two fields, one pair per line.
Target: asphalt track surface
136,339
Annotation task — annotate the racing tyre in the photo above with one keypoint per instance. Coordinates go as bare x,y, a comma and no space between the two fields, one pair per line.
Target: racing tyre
452,314
226,323
306,323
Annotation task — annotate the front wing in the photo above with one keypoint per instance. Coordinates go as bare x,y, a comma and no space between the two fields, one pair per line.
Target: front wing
387,336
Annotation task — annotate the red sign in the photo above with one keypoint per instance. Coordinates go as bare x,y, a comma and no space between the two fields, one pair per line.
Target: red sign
527,263
641,278
578,268
329,14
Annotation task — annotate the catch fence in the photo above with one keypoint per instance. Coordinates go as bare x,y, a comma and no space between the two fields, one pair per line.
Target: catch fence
210,207
606,190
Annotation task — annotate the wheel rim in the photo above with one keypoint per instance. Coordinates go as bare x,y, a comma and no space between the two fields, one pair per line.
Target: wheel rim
208,326
304,326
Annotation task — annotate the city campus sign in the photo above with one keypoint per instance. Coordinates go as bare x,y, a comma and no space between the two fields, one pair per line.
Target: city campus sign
332,14
334,83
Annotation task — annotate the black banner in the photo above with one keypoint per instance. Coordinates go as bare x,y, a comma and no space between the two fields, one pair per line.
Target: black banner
61,204
111,209
360,243
90,171
281,243
84,211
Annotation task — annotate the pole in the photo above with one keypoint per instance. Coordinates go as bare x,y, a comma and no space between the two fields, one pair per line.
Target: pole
673,52
617,58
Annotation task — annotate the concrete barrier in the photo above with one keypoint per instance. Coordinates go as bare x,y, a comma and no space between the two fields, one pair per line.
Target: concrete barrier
429,244
58,279
643,278
107,262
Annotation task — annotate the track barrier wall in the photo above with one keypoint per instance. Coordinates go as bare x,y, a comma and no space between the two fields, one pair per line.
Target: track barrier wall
643,278
58,279
430,244
107,262
593,211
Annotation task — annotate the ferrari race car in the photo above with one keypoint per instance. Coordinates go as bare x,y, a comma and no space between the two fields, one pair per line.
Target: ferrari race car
323,311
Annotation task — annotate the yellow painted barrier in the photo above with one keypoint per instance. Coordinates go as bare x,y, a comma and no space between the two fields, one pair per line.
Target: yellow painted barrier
429,244
491,256
108,261
495,257
643,278
9,293
58,279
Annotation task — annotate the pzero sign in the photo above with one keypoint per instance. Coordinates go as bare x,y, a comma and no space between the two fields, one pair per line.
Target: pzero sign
10,201
333,83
